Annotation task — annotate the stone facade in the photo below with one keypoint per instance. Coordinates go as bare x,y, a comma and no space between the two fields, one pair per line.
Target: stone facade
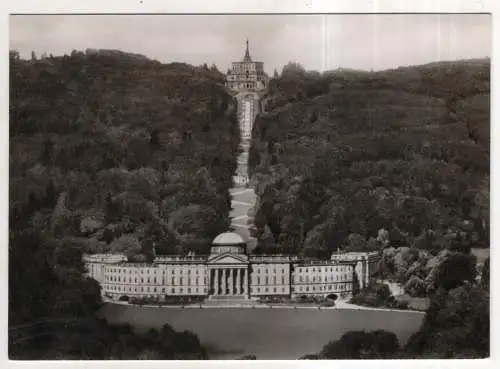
366,264
246,74
228,272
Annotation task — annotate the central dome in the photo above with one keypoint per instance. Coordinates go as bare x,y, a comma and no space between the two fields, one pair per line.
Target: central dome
228,238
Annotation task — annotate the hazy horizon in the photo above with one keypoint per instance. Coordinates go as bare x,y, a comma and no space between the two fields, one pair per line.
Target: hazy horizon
318,42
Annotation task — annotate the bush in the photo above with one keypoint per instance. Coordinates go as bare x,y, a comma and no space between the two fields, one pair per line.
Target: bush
376,295
327,303
362,345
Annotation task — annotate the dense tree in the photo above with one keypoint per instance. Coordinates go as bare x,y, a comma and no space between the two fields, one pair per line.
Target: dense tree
95,339
105,147
292,68
455,270
415,287
105,154
362,345
127,245
377,295
365,151
457,324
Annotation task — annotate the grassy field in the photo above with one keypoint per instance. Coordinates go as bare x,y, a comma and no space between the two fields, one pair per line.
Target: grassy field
267,333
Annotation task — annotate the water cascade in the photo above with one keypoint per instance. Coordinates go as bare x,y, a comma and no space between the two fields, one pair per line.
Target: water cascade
243,196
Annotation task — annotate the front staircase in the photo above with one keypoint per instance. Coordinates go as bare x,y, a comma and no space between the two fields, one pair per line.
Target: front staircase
228,300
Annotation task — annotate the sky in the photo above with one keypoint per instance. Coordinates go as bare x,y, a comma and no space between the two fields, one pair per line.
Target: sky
318,42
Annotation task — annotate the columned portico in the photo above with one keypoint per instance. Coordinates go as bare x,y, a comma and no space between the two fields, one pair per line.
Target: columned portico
228,280
228,267
238,282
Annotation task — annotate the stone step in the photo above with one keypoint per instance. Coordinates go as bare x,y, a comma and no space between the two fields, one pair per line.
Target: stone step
227,297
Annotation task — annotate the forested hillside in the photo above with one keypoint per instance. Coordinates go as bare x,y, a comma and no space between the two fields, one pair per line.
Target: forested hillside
394,161
110,152
343,157
128,145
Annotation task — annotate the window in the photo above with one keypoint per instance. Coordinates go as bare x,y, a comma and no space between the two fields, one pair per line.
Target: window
258,280
274,279
267,289
282,280
173,290
180,282
274,289
173,280
267,280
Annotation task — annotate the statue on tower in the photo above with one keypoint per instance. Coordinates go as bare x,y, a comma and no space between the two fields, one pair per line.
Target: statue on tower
247,57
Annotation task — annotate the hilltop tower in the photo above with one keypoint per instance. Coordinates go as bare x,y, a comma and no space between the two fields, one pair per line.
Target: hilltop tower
247,81
246,75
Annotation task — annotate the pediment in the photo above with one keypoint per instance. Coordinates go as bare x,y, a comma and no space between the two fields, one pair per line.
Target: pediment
228,259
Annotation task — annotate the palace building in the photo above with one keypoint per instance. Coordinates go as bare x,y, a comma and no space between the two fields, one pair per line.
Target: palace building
228,272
